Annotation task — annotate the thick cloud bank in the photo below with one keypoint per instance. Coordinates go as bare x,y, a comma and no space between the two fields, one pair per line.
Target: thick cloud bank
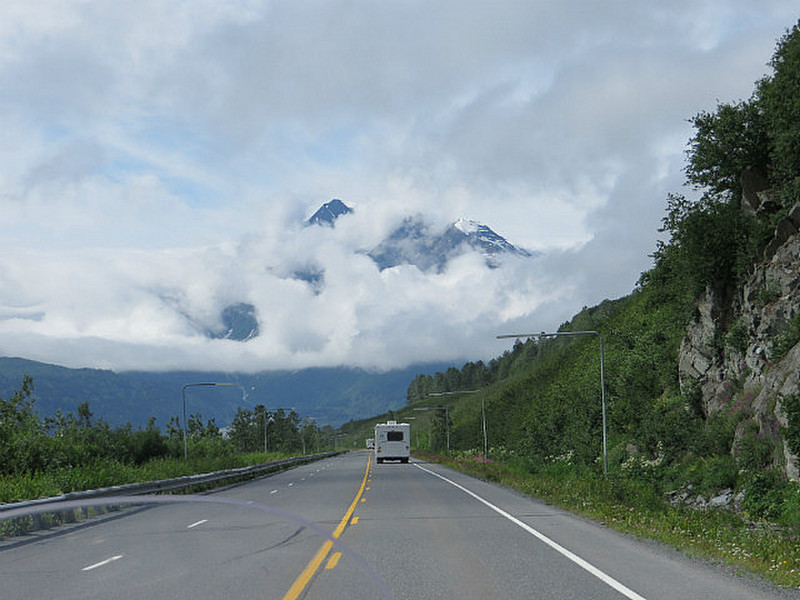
159,159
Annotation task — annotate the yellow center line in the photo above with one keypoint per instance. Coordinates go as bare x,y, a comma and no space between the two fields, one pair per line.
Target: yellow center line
334,560
313,566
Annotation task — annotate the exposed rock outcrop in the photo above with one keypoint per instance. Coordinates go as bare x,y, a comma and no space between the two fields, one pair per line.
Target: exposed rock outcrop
733,363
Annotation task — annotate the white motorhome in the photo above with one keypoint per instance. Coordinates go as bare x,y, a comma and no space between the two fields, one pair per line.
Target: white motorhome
392,441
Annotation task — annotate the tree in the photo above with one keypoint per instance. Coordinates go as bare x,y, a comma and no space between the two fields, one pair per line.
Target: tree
726,143
780,98
711,242
23,441
246,431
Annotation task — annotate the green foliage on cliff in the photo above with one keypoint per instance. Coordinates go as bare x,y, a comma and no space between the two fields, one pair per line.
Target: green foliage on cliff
713,241
727,142
779,97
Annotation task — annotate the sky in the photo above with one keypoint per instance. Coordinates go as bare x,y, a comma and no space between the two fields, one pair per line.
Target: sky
159,158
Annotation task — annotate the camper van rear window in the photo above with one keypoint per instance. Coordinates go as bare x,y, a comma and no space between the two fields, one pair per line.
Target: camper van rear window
394,436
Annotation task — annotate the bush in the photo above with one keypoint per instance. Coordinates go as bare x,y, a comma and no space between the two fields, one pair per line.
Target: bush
790,512
707,475
787,340
764,494
791,432
715,438
737,337
718,473
752,451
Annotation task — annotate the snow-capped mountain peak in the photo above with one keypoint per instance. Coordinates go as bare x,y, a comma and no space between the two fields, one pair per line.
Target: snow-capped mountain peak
416,243
467,226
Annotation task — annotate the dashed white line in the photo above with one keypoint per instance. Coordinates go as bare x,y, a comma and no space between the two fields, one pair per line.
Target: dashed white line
102,563
196,523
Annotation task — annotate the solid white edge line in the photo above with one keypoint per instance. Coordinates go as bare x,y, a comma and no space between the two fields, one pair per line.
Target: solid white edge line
196,523
102,563
605,578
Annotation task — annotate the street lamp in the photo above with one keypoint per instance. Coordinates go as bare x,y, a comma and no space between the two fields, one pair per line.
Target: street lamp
183,396
483,414
544,335
446,422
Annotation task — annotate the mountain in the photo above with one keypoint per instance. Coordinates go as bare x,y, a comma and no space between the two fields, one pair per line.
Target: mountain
328,213
331,395
239,323
417,243
481,237
414,242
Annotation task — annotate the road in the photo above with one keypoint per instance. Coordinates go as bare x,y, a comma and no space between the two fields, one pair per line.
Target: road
404,531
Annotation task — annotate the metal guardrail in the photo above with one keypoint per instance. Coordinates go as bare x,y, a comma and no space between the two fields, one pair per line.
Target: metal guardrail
168,485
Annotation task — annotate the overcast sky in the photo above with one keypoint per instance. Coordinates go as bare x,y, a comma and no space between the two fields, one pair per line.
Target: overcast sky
159,157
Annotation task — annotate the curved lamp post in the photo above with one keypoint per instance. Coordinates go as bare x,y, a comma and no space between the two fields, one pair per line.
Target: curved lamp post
446,421
544,335
483,413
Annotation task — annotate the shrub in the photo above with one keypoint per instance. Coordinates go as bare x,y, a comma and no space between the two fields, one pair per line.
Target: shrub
738,337
764,495
768,294
715,438
709,475
787,340
790,512
752,451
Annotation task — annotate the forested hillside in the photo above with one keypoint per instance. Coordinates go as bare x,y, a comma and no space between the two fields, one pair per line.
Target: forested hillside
668,423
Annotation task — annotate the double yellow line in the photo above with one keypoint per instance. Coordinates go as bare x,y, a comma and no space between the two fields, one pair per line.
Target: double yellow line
312,567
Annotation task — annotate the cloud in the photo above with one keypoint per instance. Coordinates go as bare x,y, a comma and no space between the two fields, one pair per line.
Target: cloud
159,159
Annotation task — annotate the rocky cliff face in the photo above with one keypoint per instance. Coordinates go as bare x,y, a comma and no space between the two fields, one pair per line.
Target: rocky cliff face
730,349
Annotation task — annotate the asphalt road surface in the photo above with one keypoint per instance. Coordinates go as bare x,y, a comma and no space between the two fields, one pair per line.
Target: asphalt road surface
346,528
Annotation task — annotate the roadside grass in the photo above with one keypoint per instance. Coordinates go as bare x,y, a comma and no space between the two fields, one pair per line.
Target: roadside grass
62,480
633,507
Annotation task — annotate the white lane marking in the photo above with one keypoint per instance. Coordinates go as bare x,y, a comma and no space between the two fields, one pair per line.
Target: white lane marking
605,578
102,563
195,524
